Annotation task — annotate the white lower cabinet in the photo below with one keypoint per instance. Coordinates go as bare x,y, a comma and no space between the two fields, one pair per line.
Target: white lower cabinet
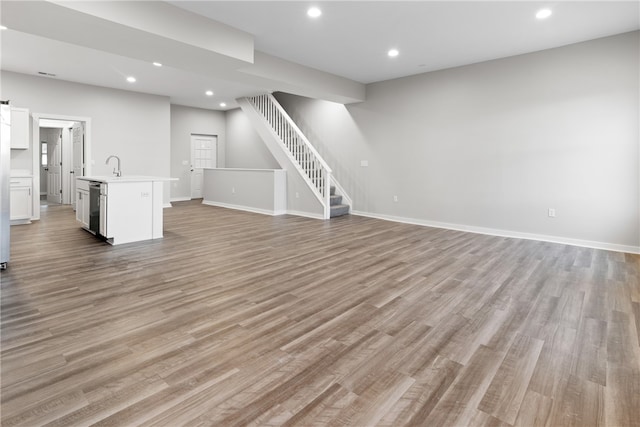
21,199
82,208
82,203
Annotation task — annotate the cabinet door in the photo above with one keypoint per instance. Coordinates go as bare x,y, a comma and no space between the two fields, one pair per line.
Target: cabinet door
85,209
19,128
82,208
104,230
20,203
79,206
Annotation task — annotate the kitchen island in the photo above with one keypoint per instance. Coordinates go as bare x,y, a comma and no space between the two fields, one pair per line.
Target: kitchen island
121,209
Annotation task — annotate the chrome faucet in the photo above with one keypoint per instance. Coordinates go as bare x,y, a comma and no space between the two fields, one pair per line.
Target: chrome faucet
118,171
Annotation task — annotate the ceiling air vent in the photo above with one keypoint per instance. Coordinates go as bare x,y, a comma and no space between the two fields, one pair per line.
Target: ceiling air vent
42,73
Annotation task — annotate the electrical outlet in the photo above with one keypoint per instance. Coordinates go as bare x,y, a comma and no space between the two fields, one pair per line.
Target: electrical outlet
297,195
552,213
395,198
233,190
364,163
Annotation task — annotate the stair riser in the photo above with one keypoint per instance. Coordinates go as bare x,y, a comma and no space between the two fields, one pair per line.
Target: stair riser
339,210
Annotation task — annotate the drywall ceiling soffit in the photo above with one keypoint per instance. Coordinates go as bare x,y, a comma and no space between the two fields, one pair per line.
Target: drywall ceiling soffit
285,76
29,54
142,31
67,22
167,21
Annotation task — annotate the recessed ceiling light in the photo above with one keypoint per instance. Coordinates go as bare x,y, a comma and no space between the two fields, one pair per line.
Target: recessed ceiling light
131,79
209,93
223,104
2,27
314,12
157,64
543,13
393,53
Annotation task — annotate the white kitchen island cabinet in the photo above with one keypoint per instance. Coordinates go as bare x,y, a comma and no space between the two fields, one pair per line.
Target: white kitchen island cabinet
121,209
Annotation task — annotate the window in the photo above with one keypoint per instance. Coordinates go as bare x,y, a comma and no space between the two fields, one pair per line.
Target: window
43,155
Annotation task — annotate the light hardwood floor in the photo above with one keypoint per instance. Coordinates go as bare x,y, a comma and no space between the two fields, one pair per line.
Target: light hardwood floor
240,319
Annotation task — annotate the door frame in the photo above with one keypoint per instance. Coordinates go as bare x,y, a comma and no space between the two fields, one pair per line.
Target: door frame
35,148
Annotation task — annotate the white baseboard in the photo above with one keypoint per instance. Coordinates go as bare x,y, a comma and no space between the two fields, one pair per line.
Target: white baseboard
306,214
180,199
243,208
505,233
167,205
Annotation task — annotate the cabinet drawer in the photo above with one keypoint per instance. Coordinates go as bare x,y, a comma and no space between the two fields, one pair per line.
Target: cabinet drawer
20,182
82,184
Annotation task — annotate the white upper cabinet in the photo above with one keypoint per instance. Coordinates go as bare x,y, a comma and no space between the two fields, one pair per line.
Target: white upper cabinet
19,128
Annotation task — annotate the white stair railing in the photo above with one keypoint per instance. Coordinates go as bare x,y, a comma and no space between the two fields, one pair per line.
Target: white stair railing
313,167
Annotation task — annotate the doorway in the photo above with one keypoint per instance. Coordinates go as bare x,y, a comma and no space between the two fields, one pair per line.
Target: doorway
203,156
72,159
61,159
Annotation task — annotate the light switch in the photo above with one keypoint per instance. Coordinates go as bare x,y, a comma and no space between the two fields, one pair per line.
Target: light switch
364,163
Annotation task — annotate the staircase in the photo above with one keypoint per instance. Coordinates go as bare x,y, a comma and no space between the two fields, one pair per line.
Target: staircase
293,151
335,201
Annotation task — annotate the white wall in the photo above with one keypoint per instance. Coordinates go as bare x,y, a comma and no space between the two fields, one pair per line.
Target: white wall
245,148
131,125
184,122
492,146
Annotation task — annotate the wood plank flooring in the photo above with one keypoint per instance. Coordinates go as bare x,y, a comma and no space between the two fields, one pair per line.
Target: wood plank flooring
238,319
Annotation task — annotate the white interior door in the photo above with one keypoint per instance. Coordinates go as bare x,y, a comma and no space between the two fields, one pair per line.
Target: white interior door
77,164
54,168
203,155
44,167
66,165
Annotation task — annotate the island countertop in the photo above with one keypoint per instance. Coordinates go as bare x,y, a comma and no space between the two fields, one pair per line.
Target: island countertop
126,178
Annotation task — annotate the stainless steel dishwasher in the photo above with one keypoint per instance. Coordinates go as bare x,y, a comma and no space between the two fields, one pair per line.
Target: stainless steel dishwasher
94,207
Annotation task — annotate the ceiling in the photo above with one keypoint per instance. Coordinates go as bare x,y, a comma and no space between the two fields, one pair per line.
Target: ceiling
350,40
